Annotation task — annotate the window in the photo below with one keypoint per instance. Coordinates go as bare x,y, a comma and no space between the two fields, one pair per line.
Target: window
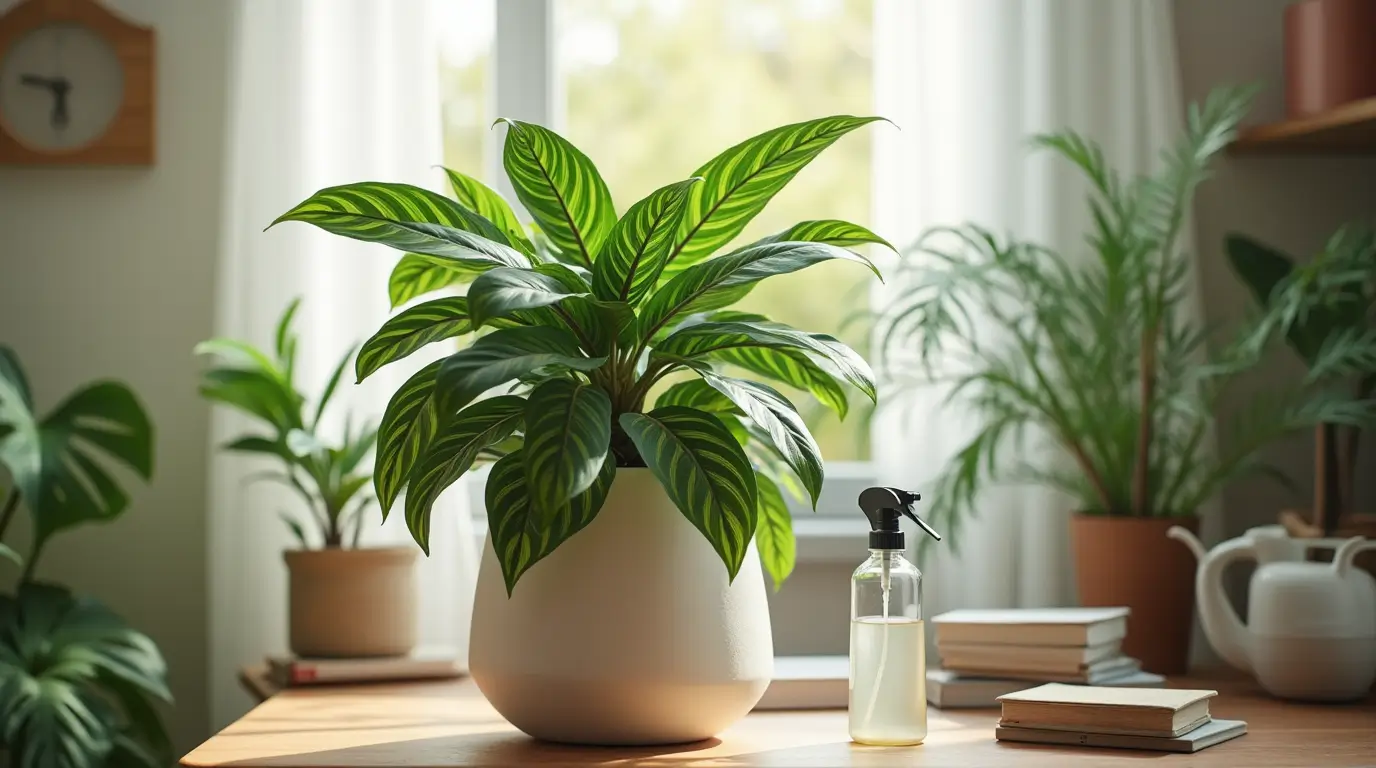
651,90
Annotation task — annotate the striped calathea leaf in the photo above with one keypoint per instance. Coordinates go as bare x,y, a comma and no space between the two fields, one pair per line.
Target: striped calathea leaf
573,319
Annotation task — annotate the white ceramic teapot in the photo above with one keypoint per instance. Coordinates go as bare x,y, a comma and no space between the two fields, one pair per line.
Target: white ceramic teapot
1312,626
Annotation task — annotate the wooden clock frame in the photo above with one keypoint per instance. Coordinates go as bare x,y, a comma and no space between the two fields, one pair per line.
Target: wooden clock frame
129,138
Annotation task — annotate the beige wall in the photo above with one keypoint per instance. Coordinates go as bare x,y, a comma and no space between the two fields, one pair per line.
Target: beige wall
1291,202
108,273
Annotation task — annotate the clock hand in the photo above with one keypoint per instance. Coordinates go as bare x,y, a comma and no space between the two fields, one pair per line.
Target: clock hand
37,81
61,86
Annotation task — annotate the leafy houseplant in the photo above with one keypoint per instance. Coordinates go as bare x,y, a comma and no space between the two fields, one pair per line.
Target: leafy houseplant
1102,361
77,684
1324,305
345,601
577,321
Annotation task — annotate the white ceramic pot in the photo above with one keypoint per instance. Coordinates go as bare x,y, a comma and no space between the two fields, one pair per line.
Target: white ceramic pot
628,633
352,602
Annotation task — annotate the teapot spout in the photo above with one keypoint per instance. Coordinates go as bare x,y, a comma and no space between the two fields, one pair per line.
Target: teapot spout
1190,540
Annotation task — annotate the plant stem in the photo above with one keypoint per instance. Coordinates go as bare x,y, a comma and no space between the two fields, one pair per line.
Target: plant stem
11,506
1141,493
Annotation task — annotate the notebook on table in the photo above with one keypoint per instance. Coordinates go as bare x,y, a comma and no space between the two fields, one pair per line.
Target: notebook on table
1206,735
1158,712
1032,626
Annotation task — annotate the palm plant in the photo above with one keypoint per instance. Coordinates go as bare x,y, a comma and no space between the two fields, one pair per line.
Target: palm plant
1101,360
579,320
77,684
1324,305
330,479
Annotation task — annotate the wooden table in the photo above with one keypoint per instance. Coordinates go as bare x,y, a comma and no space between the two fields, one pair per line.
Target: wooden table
438,724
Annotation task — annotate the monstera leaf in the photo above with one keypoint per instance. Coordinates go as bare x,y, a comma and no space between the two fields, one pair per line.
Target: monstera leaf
77,685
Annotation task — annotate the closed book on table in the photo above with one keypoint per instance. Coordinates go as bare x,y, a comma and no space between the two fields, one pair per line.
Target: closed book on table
1098,673
947,689
1206,735
1159,712
423,663
1055,658
1032,626
808,682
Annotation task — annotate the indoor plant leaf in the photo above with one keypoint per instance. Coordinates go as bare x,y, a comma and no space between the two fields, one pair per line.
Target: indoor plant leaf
560,187
717,283
568,432
408,425
232,353
696,394
830,231
705,473
410,330
505,355
773,413
791,367
774,531
630,260
482,424
415,275
259,393
739,182
484,201
521,536
330,384
501,292
259,444
57,463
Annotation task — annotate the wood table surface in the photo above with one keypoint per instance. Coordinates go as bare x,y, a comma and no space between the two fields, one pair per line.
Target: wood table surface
449,723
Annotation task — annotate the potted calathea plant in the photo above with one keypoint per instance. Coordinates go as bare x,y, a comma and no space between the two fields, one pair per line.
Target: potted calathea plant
344,600
620,598
1099,358
79,687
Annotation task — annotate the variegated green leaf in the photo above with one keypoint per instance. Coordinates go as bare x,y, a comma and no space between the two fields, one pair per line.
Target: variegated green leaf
773,413
416,275
409,219
568,432
704,340
560,187
791,367
484,201
774,531
739,182
698,394
412,329
829,231
502,292
521,536
705,473
505,355
408,426
630,260
720,281
482,424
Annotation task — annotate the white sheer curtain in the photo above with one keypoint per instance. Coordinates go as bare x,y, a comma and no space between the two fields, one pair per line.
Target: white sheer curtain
324,92
967,82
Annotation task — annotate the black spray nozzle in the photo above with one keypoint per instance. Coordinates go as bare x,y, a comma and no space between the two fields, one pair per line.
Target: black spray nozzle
883,506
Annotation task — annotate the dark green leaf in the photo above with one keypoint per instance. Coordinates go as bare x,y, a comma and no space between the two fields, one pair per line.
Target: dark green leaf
260,444
697,394
256,393
503,292
568,433
14,387
504,356
330,386
408,426
830,231
773,413
705,473
741,181
416,275
774,532
412,329
232,353
631,259
284,335
481,199
791,367
560,187
9,554
480,425
521,536
297,531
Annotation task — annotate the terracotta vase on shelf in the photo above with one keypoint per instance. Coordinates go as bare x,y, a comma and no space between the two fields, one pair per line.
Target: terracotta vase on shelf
1330,55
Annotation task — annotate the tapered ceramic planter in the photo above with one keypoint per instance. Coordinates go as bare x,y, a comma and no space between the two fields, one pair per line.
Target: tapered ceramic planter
628,633
352,602
1130,561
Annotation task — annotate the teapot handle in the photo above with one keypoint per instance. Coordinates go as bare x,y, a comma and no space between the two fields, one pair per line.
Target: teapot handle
1226,632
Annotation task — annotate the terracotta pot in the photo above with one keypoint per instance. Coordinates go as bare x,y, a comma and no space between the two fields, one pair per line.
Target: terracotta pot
628,633
1330,54
1129,561
352,602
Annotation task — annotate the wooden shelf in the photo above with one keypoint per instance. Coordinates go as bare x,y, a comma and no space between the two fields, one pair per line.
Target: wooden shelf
1349,129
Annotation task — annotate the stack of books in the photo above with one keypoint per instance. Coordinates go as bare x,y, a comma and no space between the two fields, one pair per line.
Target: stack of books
988,653
425,663
1128,718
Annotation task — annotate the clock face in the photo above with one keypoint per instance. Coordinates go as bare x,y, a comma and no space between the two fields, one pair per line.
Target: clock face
61,85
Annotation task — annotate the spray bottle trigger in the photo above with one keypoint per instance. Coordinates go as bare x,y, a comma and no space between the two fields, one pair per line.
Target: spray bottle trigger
920,522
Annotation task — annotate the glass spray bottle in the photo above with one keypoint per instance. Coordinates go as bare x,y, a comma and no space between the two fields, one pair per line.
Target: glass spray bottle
888,675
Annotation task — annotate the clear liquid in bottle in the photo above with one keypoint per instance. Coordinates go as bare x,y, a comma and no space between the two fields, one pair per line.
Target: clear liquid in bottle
888,698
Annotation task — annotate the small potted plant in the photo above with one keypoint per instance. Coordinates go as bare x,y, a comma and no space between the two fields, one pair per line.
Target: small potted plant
345,600
620,598
1103,360
78,685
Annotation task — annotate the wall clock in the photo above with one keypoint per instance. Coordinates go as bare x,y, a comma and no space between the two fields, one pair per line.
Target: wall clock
76,86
